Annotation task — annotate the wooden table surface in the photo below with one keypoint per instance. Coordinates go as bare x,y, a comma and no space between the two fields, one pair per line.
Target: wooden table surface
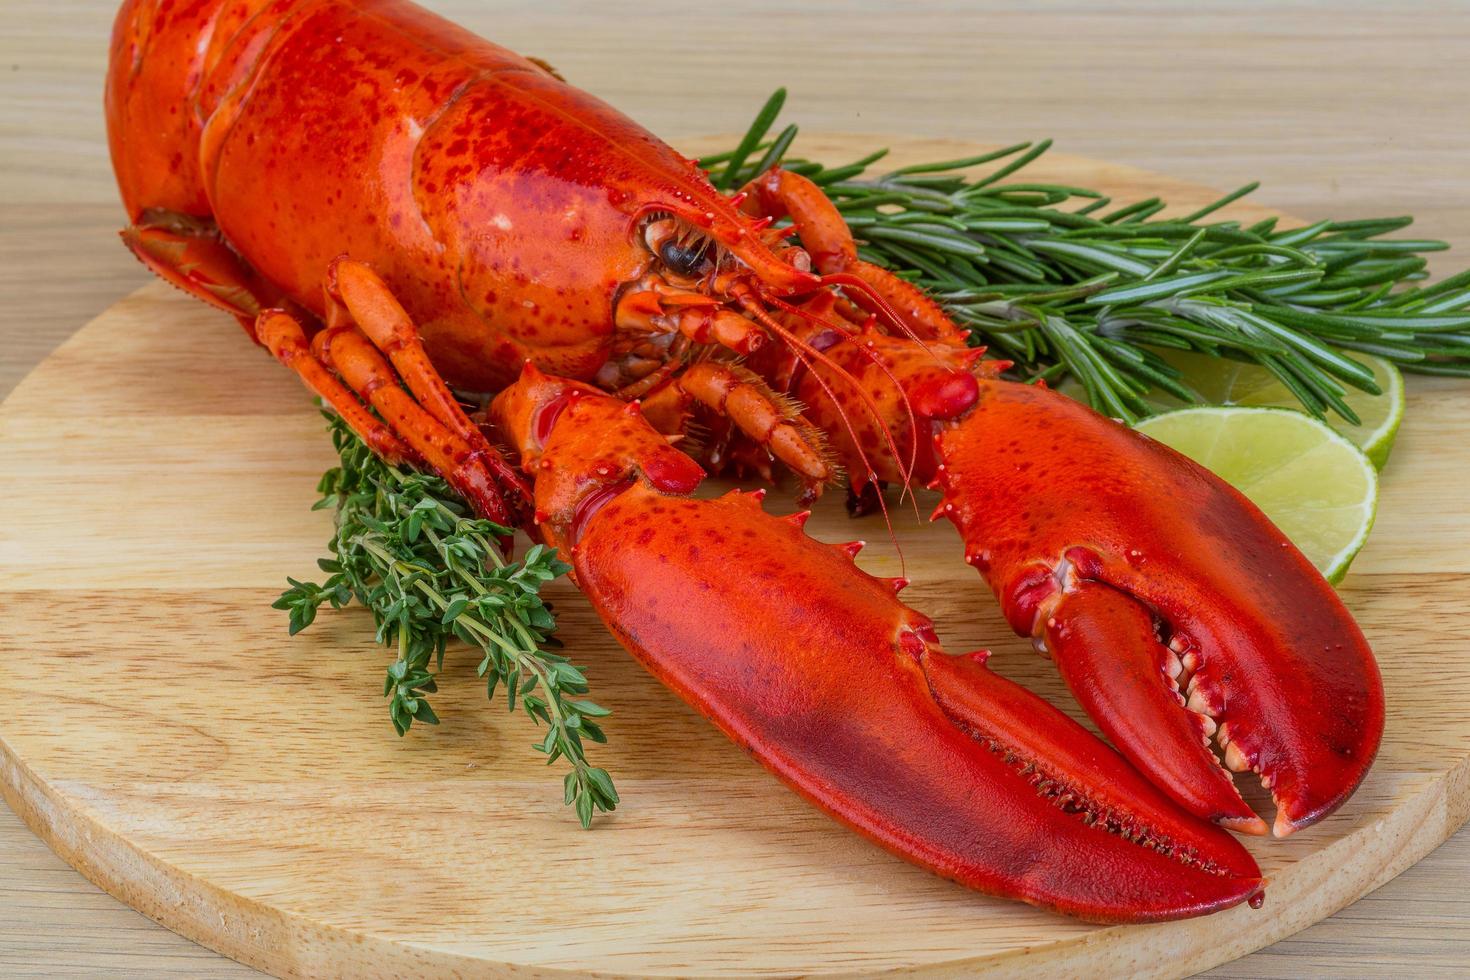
1341,109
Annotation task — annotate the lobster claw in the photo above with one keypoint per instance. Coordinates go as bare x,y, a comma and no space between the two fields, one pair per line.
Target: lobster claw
1173,607
818,670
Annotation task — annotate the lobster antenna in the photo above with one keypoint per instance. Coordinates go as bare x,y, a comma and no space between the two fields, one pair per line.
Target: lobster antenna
803,352
866,288
907,471
770,323
913,420
650,381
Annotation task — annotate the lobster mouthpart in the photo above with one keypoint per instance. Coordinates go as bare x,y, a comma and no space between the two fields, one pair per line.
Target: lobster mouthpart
1151,581
819,671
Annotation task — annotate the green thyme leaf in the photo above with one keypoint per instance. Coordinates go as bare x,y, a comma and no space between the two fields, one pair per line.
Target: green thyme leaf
409,549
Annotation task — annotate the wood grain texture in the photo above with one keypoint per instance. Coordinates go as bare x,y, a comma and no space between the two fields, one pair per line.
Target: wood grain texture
1343,109
244,789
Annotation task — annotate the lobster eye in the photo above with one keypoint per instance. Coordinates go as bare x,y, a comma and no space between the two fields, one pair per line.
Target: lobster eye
680,259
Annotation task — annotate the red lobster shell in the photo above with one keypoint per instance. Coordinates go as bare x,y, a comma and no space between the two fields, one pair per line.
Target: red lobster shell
507,232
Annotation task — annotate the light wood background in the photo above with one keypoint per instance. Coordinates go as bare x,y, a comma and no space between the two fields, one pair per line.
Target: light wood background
1343,109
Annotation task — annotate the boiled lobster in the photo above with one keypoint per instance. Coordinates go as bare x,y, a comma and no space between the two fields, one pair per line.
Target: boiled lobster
393,206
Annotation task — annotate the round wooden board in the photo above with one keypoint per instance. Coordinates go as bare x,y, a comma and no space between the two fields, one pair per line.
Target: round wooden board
166,737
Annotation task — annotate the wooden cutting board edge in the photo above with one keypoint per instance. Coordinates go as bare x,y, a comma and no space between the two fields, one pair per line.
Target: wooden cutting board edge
289,945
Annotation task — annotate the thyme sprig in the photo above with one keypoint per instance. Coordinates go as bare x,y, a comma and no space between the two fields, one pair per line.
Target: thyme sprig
1050,278
407,547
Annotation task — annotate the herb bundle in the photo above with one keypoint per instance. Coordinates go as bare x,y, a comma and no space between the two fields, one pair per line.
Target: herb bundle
407,547
1050,277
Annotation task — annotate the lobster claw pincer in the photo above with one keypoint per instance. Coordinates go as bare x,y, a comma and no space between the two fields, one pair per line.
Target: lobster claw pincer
818,670
1173,607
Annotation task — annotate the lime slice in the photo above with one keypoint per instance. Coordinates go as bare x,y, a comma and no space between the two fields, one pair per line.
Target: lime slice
1221,381
1315,485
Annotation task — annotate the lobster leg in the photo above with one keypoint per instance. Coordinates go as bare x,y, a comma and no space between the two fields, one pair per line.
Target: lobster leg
283,337
827,239
411,436
769,419
1132,566
380,316
189,253
657,307
427,426
842,691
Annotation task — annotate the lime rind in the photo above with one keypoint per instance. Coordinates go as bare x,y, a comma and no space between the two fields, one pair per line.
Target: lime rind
1379,443
1222,381
1319,488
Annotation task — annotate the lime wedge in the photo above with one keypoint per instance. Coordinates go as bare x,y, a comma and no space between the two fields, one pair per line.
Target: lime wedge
1221,381
1315,485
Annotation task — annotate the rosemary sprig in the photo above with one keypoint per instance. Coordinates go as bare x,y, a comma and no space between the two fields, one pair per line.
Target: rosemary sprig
1048,277
407,548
